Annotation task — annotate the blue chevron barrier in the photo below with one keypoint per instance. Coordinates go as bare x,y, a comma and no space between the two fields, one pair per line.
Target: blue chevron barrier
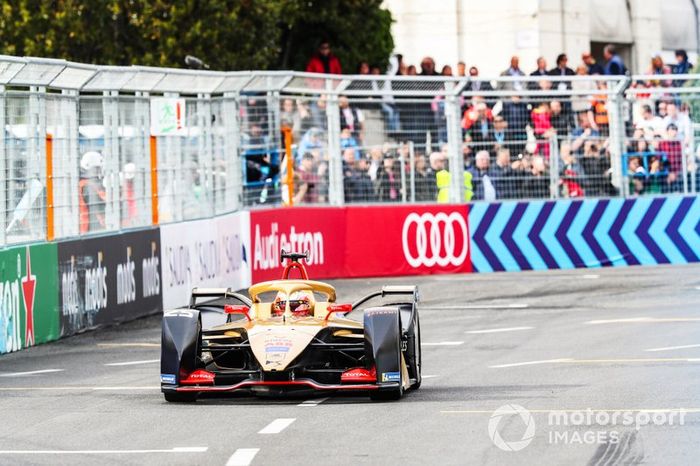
564,234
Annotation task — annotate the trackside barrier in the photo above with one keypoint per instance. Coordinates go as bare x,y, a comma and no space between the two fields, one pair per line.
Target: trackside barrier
515,236
53,290
205,253
109,279
28,296
362,241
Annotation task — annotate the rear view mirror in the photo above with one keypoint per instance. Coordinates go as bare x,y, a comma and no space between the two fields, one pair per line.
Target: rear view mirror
339,308
237,309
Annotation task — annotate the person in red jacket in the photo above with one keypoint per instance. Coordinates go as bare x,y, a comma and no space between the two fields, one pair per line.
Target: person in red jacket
323,61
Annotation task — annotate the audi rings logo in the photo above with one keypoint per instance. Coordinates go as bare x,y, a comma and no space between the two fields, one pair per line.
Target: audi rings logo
507,411
440,239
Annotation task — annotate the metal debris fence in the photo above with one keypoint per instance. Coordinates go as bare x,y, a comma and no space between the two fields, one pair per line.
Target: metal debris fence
79,153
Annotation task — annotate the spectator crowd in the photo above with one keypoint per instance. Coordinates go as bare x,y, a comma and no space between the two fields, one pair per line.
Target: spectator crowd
543,136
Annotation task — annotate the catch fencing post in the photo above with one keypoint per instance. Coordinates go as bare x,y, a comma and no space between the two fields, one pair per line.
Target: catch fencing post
206,154
110,115
616,102
289,164
154,179
3,171
234,178
336,195
553,167
49,189
70,162
412,161
36,157
402,163
454,140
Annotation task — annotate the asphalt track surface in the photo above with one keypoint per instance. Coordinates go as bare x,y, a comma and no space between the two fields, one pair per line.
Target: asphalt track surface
546,341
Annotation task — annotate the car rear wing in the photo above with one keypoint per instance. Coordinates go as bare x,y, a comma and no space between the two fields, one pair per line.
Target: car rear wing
217,293
390,290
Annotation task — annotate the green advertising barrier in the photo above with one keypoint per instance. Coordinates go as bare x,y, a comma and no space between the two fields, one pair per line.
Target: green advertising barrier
29,312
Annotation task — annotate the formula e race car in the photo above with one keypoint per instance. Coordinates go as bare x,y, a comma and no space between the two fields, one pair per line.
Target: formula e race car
291,337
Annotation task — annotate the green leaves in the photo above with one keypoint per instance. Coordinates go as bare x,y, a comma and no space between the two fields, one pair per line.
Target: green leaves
226,34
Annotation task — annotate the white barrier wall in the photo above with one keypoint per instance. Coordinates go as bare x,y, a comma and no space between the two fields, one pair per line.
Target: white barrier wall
205,253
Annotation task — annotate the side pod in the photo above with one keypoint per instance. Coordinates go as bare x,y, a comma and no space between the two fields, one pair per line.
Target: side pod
180,345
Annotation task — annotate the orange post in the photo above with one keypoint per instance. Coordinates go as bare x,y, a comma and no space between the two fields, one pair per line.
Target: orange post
290,163
49,189
154,180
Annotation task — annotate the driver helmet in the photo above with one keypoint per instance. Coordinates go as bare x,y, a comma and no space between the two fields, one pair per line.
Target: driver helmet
300,304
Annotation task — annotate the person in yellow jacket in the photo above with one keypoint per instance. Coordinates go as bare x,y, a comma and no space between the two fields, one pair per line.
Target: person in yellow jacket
442,180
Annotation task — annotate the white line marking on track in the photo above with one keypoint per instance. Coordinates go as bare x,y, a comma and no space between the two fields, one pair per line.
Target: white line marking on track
529,363
476,306
444,343
277,426
591,276
103,452
498,330
429,376
595,361
21,374
242,457
133,363
644,320
315,402
129,345
669,348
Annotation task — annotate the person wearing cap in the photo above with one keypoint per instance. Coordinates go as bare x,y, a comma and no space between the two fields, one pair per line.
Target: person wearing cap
92,196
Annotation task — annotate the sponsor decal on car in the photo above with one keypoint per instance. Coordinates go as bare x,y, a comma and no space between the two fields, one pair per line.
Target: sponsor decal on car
391,376
277,349
167,378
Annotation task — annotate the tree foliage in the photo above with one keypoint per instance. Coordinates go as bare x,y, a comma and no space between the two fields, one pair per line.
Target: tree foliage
226,34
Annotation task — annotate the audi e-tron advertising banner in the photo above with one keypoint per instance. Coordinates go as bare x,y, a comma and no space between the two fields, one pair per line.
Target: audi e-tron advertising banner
359,241
318,230
406,240
109,279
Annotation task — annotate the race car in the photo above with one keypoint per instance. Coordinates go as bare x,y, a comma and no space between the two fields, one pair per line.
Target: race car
290,336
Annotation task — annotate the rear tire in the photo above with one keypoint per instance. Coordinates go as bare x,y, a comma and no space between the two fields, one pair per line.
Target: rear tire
175,397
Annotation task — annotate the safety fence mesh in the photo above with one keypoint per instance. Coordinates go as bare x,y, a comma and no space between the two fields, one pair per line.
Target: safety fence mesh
88,149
